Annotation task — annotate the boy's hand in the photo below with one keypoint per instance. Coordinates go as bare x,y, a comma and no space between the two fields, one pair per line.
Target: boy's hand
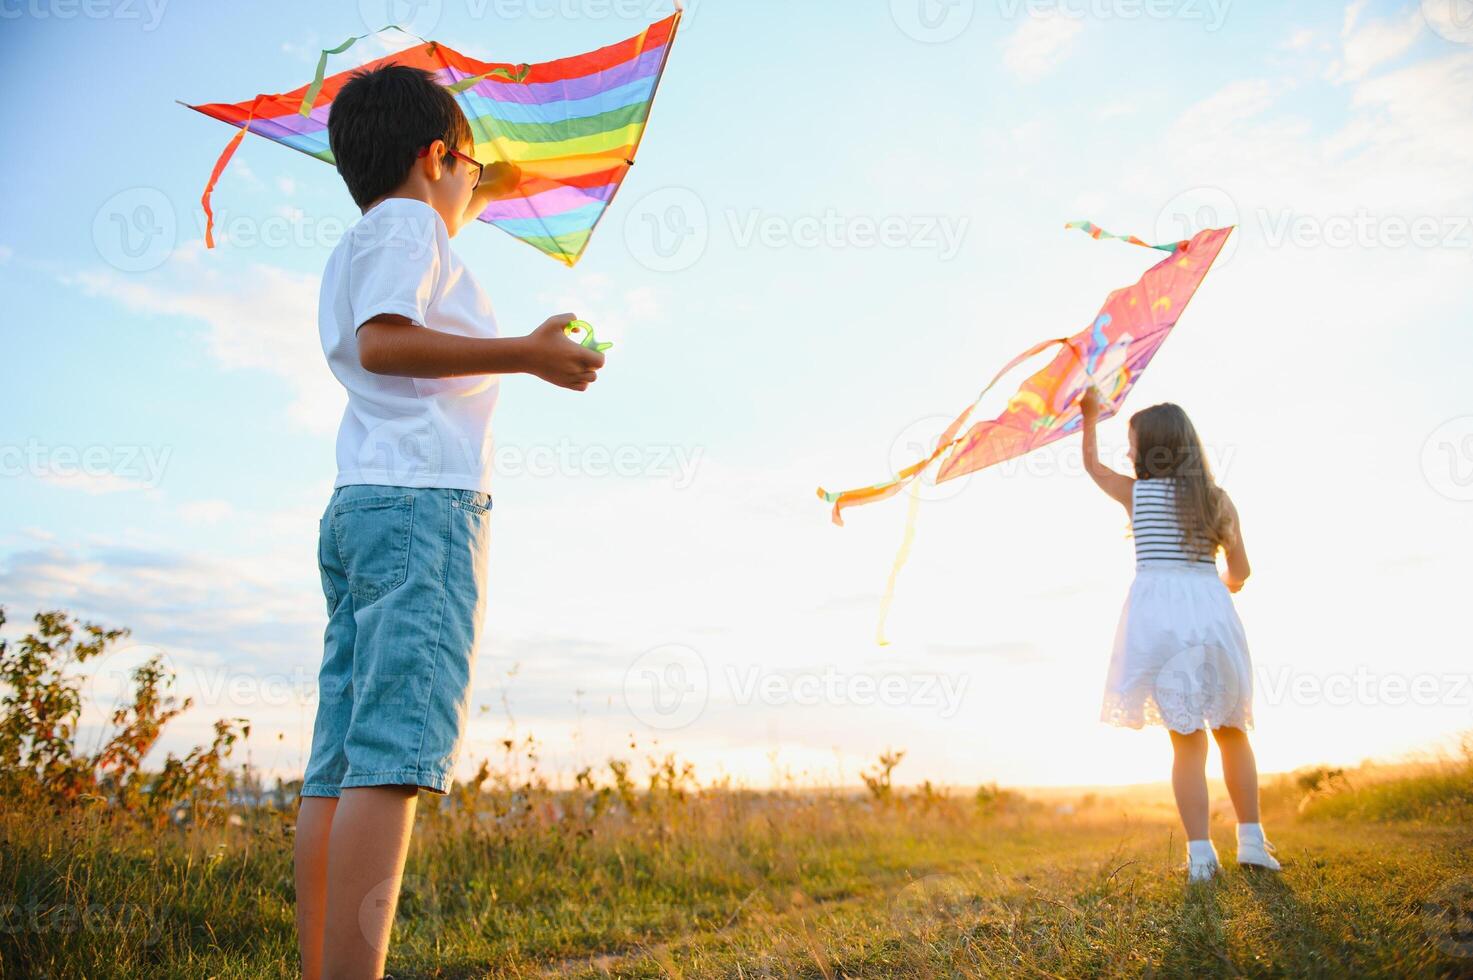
501,178
557,360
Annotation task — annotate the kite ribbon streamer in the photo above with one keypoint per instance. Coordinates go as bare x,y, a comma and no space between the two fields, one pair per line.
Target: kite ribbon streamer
224,159
949,438
1096,232
310,96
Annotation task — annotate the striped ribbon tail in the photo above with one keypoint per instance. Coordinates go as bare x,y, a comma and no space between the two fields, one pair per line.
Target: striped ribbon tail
1096,232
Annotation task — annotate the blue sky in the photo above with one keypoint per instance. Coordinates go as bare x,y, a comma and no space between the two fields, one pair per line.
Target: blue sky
839,226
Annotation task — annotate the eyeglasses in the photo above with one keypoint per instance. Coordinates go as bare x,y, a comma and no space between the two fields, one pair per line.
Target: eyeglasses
479,171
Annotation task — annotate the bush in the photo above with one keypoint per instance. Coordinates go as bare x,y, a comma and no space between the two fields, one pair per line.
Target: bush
40,760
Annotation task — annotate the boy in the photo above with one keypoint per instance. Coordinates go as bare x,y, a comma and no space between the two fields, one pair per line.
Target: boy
402,546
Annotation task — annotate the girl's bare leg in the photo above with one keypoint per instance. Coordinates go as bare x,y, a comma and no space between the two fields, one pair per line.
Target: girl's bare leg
365,867
1239,771
1189,782
314,824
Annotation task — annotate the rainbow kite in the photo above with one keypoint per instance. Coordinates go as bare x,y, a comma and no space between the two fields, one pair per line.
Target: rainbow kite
1109,355
573,126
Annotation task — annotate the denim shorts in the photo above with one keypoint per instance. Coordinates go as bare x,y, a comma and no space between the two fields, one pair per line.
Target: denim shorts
404,573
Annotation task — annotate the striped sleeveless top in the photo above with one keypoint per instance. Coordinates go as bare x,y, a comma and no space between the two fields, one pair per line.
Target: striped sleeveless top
1157,529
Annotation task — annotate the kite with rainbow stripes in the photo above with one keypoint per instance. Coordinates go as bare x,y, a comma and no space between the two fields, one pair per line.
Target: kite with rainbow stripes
573,127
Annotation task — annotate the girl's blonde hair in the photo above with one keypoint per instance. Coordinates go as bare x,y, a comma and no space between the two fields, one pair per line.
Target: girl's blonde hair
1167,448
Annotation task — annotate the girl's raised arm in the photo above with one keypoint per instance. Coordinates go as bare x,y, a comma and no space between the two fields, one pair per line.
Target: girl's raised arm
1115,484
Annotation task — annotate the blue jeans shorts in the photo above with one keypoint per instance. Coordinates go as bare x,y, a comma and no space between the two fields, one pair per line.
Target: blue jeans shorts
404,573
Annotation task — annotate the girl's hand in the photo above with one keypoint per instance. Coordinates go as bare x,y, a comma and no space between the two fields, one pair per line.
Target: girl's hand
551,356
1089,403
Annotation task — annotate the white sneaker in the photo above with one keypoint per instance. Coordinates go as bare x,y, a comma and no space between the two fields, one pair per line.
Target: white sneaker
1258,854
1202,871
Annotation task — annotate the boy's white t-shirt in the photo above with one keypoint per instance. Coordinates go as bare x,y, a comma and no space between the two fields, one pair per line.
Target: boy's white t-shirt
406,432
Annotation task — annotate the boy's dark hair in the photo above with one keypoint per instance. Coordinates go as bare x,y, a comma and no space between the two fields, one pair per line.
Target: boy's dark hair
379,122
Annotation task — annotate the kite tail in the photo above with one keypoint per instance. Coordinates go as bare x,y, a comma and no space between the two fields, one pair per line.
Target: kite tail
912,516
883,491
224,159
1096,232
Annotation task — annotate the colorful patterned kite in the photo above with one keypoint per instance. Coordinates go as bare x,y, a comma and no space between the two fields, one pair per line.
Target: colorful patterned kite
573,126
1110,355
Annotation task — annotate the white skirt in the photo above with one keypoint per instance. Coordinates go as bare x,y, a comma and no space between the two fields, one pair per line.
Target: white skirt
1181,657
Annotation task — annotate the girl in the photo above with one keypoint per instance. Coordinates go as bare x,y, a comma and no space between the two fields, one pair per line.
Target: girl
1180,659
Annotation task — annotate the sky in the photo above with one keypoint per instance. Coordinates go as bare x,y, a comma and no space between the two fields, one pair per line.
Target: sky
842,221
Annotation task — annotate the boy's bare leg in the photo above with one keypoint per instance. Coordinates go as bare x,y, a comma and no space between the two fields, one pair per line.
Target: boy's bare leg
1239,771
365,865
1189,781
314,823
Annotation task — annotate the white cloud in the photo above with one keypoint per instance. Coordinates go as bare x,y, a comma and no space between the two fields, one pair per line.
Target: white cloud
1373,43
206,511
613,312
1041,44
95,484
1300,40
261,318
5,253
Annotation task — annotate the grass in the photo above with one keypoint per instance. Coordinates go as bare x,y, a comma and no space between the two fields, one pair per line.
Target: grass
1378,881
